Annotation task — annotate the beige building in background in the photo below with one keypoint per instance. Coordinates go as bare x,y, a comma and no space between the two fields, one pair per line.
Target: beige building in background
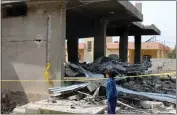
153,49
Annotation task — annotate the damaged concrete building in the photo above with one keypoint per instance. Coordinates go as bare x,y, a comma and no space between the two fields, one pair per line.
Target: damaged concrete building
34,34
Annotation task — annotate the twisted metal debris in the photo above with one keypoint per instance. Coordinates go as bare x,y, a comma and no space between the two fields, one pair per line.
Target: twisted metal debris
112,63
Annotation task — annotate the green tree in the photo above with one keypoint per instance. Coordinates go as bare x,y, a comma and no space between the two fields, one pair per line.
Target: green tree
172,54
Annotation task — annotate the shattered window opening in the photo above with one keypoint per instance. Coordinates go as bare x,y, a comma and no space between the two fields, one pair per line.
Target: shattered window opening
14,10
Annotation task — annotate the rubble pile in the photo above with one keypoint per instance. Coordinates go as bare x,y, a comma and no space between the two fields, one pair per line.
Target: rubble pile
7,102
112,63
153,84
133,94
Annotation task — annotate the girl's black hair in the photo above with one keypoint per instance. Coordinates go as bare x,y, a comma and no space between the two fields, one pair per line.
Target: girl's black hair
111,73
108,72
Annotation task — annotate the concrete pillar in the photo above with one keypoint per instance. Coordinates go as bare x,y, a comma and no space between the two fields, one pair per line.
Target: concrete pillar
72,47
100,38
137,59
57,47
123,45
89,55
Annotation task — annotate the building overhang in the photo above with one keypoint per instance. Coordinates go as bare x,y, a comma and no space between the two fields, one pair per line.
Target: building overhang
134,28
80,14
104,9
95,9
145,29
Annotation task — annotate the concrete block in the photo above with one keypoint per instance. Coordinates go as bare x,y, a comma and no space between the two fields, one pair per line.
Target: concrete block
155,111
151,104
92,87
19,111
96,93
32,110
52,100
76,97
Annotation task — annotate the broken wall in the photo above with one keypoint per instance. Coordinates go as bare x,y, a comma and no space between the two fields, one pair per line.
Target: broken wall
163,65
24,58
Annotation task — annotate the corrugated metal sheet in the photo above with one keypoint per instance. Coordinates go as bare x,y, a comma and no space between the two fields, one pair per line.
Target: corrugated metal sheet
68,88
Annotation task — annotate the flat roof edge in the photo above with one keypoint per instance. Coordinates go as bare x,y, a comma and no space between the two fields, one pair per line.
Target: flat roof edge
152,27
156,29
132,9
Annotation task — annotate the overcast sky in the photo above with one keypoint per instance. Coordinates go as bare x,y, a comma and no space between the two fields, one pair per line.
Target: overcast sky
163,15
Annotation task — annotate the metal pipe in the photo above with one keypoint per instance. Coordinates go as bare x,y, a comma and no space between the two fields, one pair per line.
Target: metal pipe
48,37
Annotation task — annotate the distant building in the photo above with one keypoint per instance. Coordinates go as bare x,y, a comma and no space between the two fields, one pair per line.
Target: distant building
153,49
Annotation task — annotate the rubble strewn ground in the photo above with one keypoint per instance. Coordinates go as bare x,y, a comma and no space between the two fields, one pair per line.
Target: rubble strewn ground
12,99
91,95
132,103
136,95
80,98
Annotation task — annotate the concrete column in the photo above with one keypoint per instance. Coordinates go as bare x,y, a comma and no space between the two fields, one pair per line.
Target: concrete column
88,55
123,45
57,47
72,47
137,50
100,38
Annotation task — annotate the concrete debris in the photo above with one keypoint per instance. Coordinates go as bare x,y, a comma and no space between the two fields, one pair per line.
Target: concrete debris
155,111
96,93
92,87
135,92
32,110
62,107
72,107
52,100
152,104
119,102
134,96
84,93
76,97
